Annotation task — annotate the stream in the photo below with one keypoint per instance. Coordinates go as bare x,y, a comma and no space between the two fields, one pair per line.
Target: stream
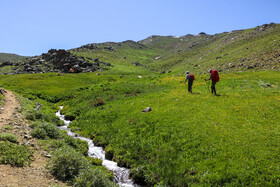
121,175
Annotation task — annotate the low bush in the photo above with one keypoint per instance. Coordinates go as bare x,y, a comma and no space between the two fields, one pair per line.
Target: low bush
39,133
33,115
97,102
8,127
91,178
45,130
66,163
9,137
94,161
77,144
16,155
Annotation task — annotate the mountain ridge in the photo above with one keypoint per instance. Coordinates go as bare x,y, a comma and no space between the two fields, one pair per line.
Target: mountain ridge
238,50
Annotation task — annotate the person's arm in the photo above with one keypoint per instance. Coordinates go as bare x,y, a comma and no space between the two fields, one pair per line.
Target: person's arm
209,78
187,77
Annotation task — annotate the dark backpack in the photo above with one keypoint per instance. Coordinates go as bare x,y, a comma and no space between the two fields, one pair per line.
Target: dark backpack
192,77
215,76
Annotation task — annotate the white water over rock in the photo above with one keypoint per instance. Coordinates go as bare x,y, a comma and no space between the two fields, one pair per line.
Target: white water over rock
121,174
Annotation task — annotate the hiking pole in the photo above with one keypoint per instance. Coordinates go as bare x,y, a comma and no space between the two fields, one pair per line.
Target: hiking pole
207,85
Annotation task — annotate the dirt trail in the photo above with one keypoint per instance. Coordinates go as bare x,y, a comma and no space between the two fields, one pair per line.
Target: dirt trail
34,175
10,106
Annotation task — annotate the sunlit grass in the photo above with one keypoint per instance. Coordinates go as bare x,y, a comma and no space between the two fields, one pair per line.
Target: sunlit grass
187,138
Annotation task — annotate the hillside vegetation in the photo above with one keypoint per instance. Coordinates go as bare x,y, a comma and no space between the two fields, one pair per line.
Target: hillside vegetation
7,57
186,139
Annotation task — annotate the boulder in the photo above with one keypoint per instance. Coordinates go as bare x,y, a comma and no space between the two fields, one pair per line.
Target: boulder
148,109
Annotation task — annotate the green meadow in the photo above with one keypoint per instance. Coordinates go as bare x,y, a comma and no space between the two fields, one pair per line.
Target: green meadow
186,139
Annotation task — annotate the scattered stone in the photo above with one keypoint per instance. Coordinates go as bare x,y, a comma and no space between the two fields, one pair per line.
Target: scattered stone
139,76
27,137
157,57
26,143
148,109
250,67
48,156
136,63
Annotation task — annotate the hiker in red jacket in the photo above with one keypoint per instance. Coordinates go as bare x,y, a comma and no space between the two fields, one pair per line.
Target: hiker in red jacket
214,76
189,77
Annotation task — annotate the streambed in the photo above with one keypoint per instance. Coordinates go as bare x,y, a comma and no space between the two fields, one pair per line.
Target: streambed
121,174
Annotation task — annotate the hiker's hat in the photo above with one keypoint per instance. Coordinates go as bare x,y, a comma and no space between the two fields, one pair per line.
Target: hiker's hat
187,72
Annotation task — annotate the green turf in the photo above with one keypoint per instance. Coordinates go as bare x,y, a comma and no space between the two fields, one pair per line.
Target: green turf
187,138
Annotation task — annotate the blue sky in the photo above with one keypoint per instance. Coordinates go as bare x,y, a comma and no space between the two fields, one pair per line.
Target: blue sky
32,27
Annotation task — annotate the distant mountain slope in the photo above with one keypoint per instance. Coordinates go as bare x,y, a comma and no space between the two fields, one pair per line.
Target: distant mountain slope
240,50
8,57
256,48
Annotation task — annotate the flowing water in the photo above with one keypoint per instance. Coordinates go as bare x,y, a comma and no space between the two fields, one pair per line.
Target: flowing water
121,175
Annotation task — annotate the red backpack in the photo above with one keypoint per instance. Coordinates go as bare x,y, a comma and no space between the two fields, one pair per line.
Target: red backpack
192,76
215,76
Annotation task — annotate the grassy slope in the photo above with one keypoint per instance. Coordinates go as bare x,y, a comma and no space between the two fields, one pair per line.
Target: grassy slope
194,139
258,46
4,57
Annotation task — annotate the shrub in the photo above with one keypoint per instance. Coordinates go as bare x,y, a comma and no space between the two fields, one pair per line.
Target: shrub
46,130
33,115
8,127
39,133
52,131
77,144
91,178
9,137
66,163
109,153
16,155
94,161
97,102
138,175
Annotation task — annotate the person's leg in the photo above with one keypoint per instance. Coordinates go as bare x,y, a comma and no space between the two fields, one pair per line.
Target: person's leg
214,88
191,83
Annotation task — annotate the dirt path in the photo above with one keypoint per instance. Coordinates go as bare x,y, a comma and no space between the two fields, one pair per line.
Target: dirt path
34,175
10,106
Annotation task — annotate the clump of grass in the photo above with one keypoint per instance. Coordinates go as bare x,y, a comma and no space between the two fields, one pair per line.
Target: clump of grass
45,130
263,84
66,163
16,155
95,161
8,137
34,115
98,102
77,144
8,127
92,177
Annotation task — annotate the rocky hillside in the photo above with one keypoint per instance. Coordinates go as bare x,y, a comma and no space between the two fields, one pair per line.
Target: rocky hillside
54,61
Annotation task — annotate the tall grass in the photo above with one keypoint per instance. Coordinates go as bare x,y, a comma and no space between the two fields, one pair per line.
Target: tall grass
187,139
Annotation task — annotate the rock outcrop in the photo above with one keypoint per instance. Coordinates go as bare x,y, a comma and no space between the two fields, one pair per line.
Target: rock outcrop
56,61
